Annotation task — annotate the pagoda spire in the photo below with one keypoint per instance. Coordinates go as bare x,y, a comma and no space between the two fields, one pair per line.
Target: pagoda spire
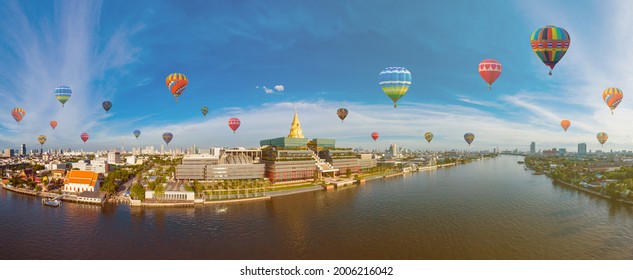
295,127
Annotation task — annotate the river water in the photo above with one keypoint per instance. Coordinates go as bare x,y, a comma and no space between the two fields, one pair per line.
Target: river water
490,209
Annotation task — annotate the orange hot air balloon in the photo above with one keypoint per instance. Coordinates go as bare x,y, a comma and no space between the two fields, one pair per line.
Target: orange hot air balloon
489,69
374,136
565,124
177,83
53,124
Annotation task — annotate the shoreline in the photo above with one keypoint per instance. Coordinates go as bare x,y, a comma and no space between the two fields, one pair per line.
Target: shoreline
310,188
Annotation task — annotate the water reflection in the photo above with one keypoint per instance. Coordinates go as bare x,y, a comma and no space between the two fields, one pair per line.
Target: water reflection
490,209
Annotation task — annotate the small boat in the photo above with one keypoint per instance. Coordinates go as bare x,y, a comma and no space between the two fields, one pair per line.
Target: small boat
51,202
520,162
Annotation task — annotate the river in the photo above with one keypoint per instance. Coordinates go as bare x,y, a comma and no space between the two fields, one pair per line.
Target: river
489,209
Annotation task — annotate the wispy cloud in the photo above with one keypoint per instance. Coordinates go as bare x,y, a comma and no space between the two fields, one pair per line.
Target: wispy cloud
64,47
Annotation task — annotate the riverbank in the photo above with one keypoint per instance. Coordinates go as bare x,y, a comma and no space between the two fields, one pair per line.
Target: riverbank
585,190
68,198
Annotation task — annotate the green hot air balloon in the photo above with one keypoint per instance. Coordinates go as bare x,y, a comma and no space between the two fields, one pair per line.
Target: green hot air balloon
395,82
204,110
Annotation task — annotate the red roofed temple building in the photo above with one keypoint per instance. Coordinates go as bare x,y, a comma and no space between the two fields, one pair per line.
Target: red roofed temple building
79,181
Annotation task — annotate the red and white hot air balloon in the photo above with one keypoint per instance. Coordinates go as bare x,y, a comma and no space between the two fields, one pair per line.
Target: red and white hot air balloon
234,124
374,135
489,69
84,137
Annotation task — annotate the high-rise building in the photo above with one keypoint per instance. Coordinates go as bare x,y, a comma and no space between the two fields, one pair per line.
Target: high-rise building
582,149
532,148
23,150
393,149
114,157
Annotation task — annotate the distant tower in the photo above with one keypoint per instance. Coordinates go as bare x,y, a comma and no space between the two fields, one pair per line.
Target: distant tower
23,149
582,149
532,148
295,128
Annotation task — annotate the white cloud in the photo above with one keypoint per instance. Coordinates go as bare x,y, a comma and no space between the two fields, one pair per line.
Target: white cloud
267,90
64,48
279,88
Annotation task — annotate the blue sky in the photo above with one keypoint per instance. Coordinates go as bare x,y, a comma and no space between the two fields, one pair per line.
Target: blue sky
326,54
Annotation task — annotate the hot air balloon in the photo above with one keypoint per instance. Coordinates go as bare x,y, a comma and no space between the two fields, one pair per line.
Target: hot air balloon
428,136
489,69
63,93
341,113
602,137
84,137
374,135
469,137
53,124
550,43
137,133
612,96
167,136
565,124
204,110
18,113
41,139
176,83
395,82
106,105
234,124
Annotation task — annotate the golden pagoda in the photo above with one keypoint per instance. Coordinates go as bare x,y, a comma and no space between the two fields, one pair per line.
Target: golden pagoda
295,128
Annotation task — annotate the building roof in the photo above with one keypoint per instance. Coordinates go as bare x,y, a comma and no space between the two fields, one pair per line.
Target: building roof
81,177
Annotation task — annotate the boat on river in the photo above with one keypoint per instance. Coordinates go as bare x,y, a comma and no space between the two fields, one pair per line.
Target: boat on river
51,202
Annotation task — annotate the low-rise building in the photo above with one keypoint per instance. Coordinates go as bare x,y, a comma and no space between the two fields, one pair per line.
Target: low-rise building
78,181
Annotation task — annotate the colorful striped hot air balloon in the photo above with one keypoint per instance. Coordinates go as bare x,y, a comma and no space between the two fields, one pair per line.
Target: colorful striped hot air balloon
374,135
137,133
612,96
234,124
177,83
489,69
342,113
428,136
395,82
167,136
469,137
565,124
550,43
41,139
53,124
602,137
18,114
85,136
63,93
204,110
106,105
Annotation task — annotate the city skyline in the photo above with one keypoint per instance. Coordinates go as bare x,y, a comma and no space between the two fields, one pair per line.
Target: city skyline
260,62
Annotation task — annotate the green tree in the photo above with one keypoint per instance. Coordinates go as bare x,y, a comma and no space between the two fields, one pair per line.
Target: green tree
159,191
137,191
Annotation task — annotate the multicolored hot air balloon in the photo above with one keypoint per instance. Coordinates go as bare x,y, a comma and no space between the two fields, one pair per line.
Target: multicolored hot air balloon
63,93
550,43
234,124
341,113
602,137
395,82
612,96
428,136
177,83
137,133
374,135
41,139
167,136
565,124
489,69
469,137
106,105
53,124
84,137
18,113
204,110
